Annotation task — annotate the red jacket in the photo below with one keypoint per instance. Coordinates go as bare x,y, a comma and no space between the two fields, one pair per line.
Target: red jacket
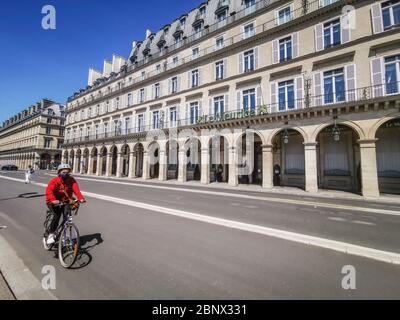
55,190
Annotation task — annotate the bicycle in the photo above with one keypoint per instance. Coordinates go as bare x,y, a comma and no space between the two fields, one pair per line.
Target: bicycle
66,236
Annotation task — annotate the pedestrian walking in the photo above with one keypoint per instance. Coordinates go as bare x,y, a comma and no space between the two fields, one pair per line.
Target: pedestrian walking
28,174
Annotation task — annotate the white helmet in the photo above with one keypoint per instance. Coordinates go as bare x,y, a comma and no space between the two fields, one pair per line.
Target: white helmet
64,166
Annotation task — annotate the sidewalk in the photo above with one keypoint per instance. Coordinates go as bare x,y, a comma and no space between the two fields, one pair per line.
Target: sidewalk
5,292
325,194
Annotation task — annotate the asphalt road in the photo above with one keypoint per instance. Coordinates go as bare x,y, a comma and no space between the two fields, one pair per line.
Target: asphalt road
136,253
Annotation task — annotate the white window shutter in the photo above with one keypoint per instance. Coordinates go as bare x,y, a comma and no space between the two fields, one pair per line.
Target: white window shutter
210,107
351,82
275,51
295,45
319,37
274,105
256,61
200,108
215,70
377,77
241,63
377,20
239,100
154,91
226,102
178,83
299,93
145,94
169,86
187,114
199,72
318,89
225,68
189,79
345,26
258,96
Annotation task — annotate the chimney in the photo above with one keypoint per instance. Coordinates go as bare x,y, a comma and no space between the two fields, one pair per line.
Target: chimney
107,68
148,33
134,43
93,76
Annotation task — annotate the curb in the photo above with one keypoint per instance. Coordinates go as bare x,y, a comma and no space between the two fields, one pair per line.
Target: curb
20,280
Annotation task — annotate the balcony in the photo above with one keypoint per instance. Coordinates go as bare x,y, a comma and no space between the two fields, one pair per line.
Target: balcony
359,96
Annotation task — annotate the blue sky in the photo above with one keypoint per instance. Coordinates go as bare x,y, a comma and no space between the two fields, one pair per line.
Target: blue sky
37,63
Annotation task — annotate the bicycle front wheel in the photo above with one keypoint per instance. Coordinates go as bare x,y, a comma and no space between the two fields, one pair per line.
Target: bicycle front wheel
68,246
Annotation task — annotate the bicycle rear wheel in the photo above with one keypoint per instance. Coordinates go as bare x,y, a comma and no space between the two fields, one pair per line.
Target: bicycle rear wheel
68,246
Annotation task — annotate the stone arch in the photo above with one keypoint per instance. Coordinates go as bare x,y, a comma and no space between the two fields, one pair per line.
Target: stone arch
172,154
193,153
352,125
272,135
375,127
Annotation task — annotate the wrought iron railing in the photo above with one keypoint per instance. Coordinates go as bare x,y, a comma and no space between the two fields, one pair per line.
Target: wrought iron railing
333,99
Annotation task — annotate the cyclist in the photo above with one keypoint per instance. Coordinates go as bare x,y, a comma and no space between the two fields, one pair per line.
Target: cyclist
59,193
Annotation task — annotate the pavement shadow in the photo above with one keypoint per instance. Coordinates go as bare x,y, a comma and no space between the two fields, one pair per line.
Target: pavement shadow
30,195
88,242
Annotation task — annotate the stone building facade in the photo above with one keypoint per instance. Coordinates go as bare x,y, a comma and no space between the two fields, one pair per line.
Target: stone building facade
290,93
34,136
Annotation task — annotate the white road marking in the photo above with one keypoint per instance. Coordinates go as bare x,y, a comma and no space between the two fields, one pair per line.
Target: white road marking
313,204
364,223
379,255
337,219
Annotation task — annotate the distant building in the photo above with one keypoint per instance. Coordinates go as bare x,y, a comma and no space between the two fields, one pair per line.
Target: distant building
318,81
34,136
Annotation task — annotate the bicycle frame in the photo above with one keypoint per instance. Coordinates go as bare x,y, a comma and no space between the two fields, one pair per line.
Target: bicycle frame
67,220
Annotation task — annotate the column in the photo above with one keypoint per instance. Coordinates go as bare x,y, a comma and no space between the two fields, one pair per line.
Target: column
90,164
233,168
163,165
132,165
182,166
99,165
369,169
146,166
83,164
310,154
75,165
108,164
268,164
119,165
205,165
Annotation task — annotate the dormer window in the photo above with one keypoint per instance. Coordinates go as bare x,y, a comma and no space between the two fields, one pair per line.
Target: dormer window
198,27
202,11
183,22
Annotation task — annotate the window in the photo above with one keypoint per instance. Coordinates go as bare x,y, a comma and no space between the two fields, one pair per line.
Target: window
82,114
105,128
97,110
334,86
107,107
183,22
178,38
219,105
96,131
332,34
156,120
174,85
222,16
284,15
219,43
249,61
49,120
249,3
127,125
89,112
140,125
249,30
285,49
59,143
117,103
50,112
286,95
47,143
175,61
61,133
157,91
392,74
195,53
48,130
194,112
391,14
143,75
195,78
173,120
129,99
202,11
158,68
88,132
219,70
327,2
141,95
249,100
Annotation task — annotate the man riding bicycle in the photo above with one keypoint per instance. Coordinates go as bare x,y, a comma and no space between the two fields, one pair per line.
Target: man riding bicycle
59,198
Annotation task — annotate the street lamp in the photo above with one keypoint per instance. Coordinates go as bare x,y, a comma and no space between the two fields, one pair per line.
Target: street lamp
336,131
286,137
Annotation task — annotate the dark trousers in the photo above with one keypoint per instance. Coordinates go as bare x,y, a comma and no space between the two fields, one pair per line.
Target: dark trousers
53,217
